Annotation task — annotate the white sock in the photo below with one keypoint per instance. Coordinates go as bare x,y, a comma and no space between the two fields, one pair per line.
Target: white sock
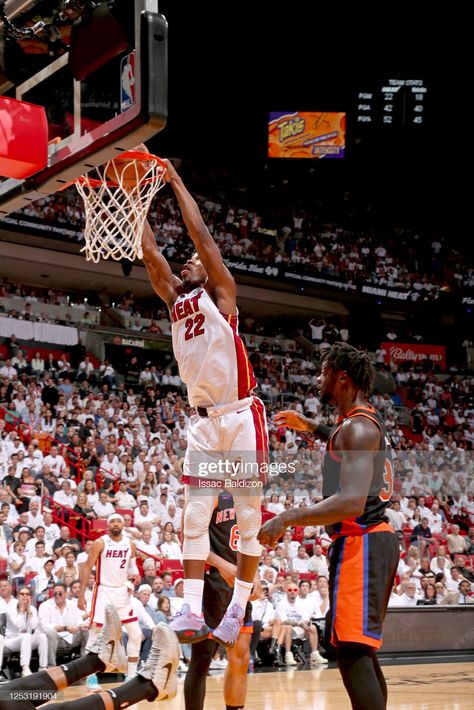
132,669
193,591
241,593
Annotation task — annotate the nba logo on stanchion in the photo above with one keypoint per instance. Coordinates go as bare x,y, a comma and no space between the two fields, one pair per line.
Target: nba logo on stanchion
127,81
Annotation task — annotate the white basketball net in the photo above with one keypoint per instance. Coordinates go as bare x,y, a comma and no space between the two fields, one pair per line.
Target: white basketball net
115,214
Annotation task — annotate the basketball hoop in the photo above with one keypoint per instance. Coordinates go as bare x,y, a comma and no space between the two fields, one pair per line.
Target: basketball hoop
115,211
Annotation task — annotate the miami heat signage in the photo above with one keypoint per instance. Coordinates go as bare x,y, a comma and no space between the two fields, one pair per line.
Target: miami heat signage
415,353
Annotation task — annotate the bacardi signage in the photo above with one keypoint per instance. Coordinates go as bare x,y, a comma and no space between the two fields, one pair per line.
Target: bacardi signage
415,353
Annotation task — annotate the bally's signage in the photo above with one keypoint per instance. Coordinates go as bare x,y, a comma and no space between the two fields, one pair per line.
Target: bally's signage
415,353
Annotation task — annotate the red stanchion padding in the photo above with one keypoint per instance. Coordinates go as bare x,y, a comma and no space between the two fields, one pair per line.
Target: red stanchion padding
23,138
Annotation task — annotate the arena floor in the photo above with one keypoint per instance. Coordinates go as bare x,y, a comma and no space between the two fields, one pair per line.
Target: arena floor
440,686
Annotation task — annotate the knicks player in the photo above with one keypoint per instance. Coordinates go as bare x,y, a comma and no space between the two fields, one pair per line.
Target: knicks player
357,487
218,581
113,556
229,427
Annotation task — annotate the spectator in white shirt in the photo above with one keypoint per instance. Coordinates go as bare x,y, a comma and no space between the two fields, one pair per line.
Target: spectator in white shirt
301,563
145,515
436,518
124,499
290,546
264,620
395,516
172,516
110,467
408,598
103,508
8,370
274,506
21,632
146,544
267,565
62,623
36,562
319,562
35,518
65,496
17,562
293,614
52,531
37,364
55,461
456,543
170,549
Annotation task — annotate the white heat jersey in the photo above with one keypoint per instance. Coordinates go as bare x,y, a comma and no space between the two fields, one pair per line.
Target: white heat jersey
212,358
112,563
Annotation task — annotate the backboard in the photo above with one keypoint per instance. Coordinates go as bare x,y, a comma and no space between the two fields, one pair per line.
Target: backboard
102,80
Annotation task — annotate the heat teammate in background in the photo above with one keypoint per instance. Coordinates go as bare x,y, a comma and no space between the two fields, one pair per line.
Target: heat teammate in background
113,556
218,580
230,424
357,487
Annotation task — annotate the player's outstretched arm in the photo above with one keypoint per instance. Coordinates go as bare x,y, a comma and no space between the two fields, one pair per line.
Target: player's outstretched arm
295,420
164,282
359,440
219,277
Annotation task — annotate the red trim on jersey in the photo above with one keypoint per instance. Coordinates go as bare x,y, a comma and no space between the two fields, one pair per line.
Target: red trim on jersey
129,621
261,435
94,600
97,570
96,587
246,381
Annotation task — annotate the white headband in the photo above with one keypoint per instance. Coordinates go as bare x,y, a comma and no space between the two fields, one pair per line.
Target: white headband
114,516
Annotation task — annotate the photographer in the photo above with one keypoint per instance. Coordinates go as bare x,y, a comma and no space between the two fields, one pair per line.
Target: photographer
265,624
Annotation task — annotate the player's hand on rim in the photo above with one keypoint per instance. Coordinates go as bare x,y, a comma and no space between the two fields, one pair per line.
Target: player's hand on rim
170,172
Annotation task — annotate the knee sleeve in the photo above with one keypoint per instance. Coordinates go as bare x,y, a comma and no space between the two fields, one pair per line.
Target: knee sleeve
249,521
134,639
197,517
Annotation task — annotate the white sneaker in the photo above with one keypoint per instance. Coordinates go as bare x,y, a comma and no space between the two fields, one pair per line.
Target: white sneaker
290,659
108,644
182,667
25,670
317,658
218,664
162,662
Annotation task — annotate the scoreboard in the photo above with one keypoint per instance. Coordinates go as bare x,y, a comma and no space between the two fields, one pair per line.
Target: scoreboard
391,102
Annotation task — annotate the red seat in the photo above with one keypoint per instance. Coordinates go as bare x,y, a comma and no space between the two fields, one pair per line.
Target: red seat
98,528
307,576
170,565
29,577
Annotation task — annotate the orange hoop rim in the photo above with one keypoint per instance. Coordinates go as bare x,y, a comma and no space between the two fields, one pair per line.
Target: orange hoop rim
128,154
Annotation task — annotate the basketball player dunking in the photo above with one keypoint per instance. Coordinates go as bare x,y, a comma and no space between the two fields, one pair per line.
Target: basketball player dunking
229,426
357,487
113,556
